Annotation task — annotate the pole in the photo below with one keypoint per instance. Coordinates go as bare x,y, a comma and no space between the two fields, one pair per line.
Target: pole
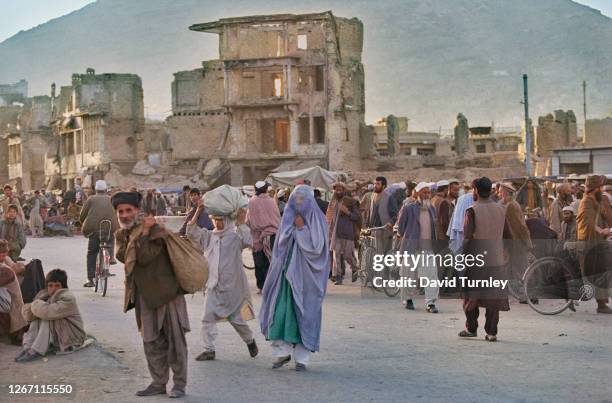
527,127
584,109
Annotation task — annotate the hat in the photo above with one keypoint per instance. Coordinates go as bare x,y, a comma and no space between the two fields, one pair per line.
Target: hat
400,185
422,185
281,193
260,184
595,181
131,198
370,186
453,180
441,183
101,186
568,208
342,184
508,186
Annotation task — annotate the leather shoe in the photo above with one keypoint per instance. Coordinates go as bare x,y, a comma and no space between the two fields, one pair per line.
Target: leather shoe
253,350
604,309
281,361
176,393
206,356
152,390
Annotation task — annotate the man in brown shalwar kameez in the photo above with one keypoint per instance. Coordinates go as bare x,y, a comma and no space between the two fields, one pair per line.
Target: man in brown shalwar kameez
485,228
593,223
152,288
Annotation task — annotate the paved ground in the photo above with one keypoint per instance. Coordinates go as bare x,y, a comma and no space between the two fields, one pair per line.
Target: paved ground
372,350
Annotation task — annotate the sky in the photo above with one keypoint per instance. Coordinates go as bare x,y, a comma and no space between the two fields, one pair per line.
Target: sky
17,15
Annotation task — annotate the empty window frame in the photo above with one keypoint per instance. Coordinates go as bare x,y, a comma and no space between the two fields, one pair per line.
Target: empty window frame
302,41
320,78
278,85
481,148
319,129
304,130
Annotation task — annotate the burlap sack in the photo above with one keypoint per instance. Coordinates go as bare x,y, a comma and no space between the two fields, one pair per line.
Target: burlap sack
189,265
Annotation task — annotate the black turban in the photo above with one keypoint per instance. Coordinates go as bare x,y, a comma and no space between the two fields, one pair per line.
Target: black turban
132,198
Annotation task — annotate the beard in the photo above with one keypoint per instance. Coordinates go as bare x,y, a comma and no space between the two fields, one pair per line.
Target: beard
425,203
128,224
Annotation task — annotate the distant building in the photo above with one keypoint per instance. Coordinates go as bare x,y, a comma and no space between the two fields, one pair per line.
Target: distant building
11,93
99,127
27,142
581,160
288,90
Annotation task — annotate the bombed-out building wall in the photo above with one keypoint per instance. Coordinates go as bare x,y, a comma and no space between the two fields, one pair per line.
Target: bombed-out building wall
101,126
292,93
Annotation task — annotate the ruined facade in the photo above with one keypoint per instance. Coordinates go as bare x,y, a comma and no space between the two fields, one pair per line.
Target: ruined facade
9,116
99,127
287,91
598,132
27,141
462,134
554,130
11,93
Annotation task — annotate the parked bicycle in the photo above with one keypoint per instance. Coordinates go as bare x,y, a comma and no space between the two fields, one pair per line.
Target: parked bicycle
104,258
366,273
553,284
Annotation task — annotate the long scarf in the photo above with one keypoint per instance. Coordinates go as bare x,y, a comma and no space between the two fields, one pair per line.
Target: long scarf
213,253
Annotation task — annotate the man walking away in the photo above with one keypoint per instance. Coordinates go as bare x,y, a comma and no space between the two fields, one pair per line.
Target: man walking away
485,228
97,208
263,218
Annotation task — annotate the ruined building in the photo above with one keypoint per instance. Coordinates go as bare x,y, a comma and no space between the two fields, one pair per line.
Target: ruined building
287,91
553,131
99,121
11,93
27,141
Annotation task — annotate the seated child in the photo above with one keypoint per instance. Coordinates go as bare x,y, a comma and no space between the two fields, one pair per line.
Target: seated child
55,320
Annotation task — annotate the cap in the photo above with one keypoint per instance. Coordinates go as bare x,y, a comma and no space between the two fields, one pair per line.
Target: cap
422,185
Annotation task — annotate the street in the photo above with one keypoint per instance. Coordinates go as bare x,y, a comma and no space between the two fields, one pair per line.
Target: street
371,350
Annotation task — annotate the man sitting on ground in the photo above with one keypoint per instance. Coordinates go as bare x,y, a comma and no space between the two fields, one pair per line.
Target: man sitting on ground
55,320
11,229
11,302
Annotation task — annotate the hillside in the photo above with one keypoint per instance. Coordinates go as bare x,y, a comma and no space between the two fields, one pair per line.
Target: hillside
426,59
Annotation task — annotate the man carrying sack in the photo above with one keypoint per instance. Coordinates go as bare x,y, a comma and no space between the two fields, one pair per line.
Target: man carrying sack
152,287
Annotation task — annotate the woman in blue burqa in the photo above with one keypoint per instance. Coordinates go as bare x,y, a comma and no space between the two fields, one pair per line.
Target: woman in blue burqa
293,293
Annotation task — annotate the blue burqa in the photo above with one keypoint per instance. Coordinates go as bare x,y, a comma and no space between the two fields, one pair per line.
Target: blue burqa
308,268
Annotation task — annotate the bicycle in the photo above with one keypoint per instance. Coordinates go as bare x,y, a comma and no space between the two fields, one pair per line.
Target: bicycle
556,283
104,258
365,254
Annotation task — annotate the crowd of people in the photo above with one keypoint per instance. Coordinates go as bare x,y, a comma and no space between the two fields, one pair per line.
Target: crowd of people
300,242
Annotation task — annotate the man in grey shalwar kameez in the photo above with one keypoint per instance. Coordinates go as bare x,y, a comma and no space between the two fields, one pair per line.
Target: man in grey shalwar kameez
227,294
297,280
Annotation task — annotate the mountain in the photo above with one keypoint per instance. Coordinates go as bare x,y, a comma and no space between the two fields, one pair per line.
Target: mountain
425,59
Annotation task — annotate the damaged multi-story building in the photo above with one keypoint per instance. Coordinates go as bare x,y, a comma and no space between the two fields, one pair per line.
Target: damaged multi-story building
99,124
287,91
27,141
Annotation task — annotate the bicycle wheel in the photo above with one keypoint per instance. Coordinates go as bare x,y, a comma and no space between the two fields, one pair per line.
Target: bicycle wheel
548,281
367,263
104,265
392,273
97,274
247,259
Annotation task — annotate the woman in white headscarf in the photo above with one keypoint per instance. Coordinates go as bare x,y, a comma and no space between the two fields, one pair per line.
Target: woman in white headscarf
227,295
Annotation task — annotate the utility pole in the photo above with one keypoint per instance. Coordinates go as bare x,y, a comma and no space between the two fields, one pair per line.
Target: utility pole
584,110
527,127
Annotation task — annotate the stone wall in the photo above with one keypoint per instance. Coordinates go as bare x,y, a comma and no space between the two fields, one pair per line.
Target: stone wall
598,132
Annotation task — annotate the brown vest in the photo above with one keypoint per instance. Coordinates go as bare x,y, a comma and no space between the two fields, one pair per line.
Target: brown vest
490,218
